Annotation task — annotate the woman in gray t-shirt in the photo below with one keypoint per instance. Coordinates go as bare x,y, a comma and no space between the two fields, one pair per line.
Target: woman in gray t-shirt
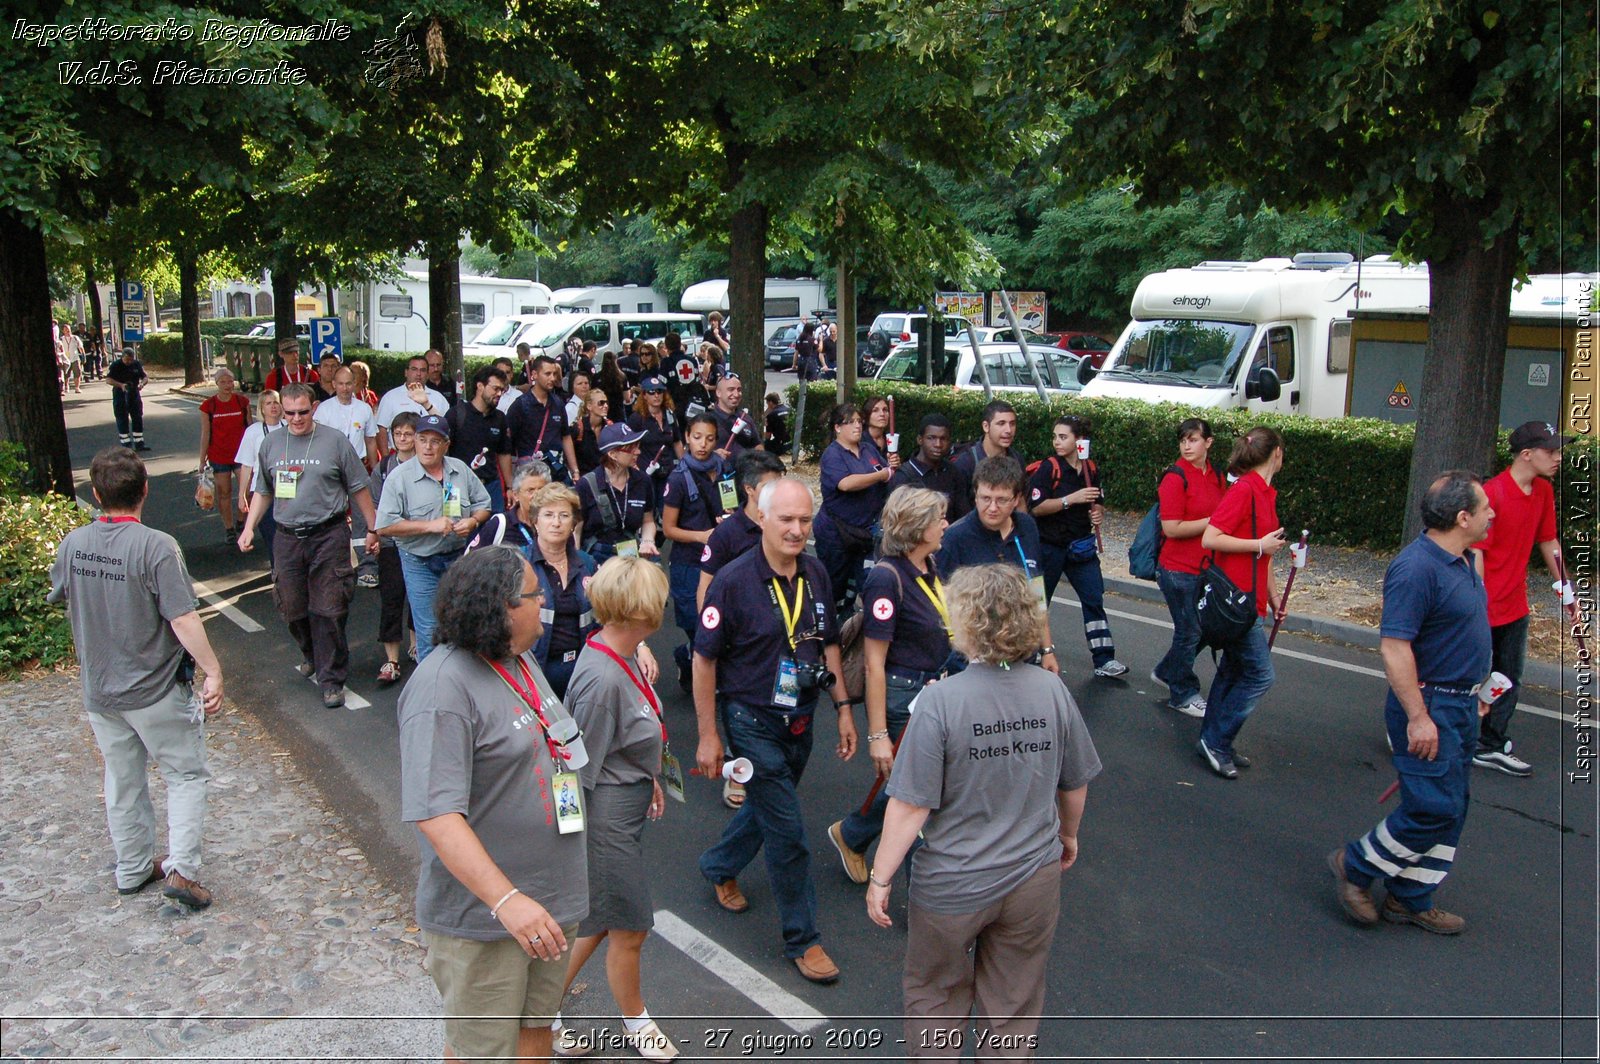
993,770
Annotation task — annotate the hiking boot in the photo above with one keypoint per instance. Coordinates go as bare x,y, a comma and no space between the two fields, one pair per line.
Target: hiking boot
1220,763
186,891
306,670
1503,760
855,864
1355,901
1436,920
333,697
369,580
158,872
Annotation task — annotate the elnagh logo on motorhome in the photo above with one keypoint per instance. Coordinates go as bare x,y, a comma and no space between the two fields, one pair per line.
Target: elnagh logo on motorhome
1197,302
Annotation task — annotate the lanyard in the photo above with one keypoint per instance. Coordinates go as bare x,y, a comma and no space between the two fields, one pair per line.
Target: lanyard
530,695
1017,542
791,618
120,520
644,688
935,593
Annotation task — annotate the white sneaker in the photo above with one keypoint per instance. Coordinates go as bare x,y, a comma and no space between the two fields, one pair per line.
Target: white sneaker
1111,668
1195,707
1504,761
567,1044
652,1043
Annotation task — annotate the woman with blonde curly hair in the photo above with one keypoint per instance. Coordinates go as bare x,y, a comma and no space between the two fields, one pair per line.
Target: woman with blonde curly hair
993,770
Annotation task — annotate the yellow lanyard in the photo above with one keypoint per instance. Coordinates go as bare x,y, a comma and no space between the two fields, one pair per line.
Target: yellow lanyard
791,618
935,595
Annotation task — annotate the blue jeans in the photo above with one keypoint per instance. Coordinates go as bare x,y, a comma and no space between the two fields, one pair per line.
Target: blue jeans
422,574
683,580
1176,670
859,829
1244,674
1412,849
770,816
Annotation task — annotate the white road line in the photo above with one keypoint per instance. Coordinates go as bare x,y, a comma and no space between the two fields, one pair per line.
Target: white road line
226,608
1522,707
355,701
767,995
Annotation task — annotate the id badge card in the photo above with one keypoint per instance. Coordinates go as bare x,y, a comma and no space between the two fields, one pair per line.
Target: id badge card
286,483
627,548
452,502
786,688
671,774
569,803
1037,583
729,493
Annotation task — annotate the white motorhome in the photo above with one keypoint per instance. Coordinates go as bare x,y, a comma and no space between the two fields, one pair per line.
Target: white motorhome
787,301
1267,335
609,299
393,316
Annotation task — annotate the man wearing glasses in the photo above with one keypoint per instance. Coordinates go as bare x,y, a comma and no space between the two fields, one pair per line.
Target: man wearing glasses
311,476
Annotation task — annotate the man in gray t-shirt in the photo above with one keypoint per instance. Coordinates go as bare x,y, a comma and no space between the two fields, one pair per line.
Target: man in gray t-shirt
132,610
311,476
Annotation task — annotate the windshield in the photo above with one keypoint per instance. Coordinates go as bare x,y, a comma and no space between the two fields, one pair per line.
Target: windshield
554,334
1180,351
497,333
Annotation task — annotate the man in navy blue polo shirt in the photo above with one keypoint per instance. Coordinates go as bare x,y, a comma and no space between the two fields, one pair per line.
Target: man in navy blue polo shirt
768,643
1436,650
997,531
538,423
999,430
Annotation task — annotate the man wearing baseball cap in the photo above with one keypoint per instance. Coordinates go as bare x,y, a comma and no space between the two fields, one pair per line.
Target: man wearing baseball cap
1525,513
432,505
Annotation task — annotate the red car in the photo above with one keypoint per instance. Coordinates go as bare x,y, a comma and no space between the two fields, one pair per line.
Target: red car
1085,345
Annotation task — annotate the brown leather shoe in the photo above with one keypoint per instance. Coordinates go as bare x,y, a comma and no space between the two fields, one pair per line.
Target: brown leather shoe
186,891
730,897
1436,920
817,966
1355,901
158,872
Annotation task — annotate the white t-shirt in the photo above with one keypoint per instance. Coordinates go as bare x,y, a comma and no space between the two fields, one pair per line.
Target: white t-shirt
250,445
511,396
396,401
354,419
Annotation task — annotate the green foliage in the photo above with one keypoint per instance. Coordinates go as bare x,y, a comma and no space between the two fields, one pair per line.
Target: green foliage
162,349
32,632
389,367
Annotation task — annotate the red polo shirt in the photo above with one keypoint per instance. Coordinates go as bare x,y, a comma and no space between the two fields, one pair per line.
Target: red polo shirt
1520,521
1187,498
1249,494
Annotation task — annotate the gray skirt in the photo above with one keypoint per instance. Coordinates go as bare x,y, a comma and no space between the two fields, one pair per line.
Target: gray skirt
619,883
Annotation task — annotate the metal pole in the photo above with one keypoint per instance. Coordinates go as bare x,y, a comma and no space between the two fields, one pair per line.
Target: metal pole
1027,356
977,365
799,418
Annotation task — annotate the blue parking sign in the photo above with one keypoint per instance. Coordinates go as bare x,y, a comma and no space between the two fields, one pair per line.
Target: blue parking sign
132,292
325,339
132,327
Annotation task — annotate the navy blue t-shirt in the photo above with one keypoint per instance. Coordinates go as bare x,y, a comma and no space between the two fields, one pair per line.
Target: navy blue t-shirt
535,427
949,481
858,508
901,613
657,445
1436,602
969,457
1054,478
632,503
967,542
739,627
729,540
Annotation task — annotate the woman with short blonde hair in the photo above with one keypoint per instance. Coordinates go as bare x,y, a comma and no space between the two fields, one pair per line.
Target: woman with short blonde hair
991,620
629,591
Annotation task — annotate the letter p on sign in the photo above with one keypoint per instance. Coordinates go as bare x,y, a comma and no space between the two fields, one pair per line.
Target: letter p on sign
325,339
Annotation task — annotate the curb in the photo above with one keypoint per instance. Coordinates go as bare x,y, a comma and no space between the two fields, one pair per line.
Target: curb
1538,673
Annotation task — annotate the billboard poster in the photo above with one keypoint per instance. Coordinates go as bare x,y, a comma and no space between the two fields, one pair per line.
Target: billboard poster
968,305
1031,310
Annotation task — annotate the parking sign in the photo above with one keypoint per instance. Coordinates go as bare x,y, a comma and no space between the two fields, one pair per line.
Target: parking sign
132,327
132,292
325,339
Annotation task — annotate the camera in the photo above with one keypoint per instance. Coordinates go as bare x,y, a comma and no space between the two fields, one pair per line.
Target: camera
811,675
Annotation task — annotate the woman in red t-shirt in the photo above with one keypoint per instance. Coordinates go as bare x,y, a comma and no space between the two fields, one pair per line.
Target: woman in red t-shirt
1189,492
223,418
1243,535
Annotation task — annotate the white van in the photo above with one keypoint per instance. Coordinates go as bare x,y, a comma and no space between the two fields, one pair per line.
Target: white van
1267,335
786,301
547,334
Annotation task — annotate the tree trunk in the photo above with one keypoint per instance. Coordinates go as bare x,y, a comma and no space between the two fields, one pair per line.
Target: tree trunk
747,297
194,368
1458,418
30,400
845,354
119,274
285,279
92,287
444,306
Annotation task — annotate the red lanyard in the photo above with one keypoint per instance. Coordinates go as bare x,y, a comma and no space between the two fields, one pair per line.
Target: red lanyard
644,688
530,695
123,520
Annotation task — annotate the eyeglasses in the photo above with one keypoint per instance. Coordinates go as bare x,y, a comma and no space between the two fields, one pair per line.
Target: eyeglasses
297,413
539,594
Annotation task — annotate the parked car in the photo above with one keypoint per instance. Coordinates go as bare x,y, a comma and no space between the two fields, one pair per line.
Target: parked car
1086,345
1007,370
780,346
899,327
989,334
269,329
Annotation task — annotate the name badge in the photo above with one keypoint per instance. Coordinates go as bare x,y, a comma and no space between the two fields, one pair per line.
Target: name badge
1037,583
569,803
286,483
786,688
571,655
671,774
628,548
729,492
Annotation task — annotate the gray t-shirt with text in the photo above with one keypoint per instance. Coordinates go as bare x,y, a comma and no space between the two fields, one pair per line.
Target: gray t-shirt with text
123,584
325,469
470,745
620,731
986,750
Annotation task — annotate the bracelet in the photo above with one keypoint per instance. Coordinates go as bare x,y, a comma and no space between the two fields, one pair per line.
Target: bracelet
874,880
494,914
1258,548
1047,651
873,737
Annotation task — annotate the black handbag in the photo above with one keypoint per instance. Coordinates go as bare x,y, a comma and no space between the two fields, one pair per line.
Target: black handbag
1226,611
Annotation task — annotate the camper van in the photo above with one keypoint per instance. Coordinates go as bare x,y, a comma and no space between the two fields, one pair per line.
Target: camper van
393,316
609,299
548,334
788,302
1267,335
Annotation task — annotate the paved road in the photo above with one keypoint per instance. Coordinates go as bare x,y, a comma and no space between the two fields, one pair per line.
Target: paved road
1199,922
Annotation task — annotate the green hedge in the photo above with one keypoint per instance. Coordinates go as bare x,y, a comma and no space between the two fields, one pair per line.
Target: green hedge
162,349
1344,479
217,328
389,367
32,632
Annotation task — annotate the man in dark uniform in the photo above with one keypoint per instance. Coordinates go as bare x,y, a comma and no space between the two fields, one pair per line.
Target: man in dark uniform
930,468
999,430
127,377
767,639
1436,651
538,423
311,476
680,370
480,436
736,429
437,379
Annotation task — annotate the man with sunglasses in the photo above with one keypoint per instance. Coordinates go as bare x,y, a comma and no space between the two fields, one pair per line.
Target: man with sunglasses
311,476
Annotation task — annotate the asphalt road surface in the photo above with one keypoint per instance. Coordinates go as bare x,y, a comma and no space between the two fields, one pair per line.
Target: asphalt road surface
1199,923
